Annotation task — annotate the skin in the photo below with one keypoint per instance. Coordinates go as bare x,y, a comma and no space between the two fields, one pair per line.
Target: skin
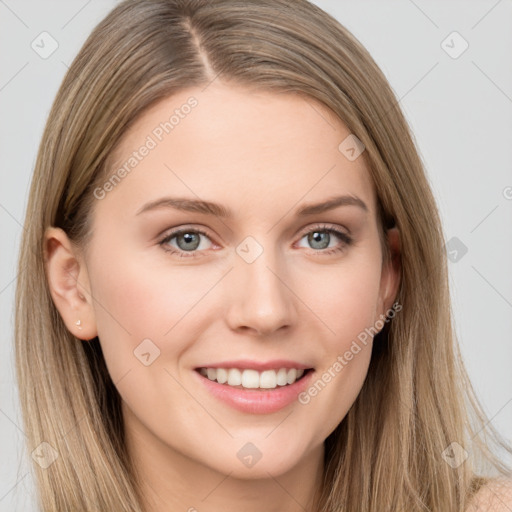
263,155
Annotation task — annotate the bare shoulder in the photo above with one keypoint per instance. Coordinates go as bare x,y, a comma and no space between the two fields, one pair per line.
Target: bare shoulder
495,496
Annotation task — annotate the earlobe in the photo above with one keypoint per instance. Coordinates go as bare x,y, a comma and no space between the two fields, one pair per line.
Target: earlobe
68,284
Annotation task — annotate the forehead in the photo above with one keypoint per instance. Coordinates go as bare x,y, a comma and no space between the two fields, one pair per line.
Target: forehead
236,145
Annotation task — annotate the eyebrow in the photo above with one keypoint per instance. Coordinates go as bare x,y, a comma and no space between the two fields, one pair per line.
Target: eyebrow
210,208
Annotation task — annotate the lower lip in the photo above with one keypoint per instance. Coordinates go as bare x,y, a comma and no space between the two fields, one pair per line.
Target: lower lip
257,401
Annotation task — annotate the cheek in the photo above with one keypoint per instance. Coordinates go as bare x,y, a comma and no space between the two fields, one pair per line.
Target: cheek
345,301
135,300
352,313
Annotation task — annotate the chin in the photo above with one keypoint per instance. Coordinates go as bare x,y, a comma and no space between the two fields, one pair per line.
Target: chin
256,459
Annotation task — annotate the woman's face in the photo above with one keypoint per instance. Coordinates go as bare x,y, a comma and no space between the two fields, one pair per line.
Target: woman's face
248,282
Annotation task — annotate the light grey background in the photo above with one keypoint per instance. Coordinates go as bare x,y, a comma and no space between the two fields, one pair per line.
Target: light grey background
460,111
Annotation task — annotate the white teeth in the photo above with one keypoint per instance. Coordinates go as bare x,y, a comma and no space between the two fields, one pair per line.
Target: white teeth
222,375
292,376
281,377
268,379
252,379
234,377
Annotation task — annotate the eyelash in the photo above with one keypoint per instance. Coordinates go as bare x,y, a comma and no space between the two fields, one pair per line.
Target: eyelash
347,240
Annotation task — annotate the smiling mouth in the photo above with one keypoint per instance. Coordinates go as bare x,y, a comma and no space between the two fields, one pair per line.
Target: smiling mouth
253,379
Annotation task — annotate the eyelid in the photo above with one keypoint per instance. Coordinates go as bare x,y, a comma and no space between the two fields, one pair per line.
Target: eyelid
323,226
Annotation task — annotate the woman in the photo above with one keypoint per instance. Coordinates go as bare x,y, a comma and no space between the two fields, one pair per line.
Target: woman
242,282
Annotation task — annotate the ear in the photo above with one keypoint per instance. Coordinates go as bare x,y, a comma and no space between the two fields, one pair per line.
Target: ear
391,270
68,282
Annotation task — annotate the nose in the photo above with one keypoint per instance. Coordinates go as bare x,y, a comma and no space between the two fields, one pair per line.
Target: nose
261,297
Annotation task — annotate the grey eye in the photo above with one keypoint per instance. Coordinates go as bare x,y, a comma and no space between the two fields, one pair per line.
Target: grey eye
315,237
191,241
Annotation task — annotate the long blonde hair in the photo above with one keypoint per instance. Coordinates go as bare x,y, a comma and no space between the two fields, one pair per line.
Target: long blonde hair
388,452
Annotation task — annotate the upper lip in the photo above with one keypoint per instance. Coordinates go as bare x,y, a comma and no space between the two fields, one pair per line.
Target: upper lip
246,364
